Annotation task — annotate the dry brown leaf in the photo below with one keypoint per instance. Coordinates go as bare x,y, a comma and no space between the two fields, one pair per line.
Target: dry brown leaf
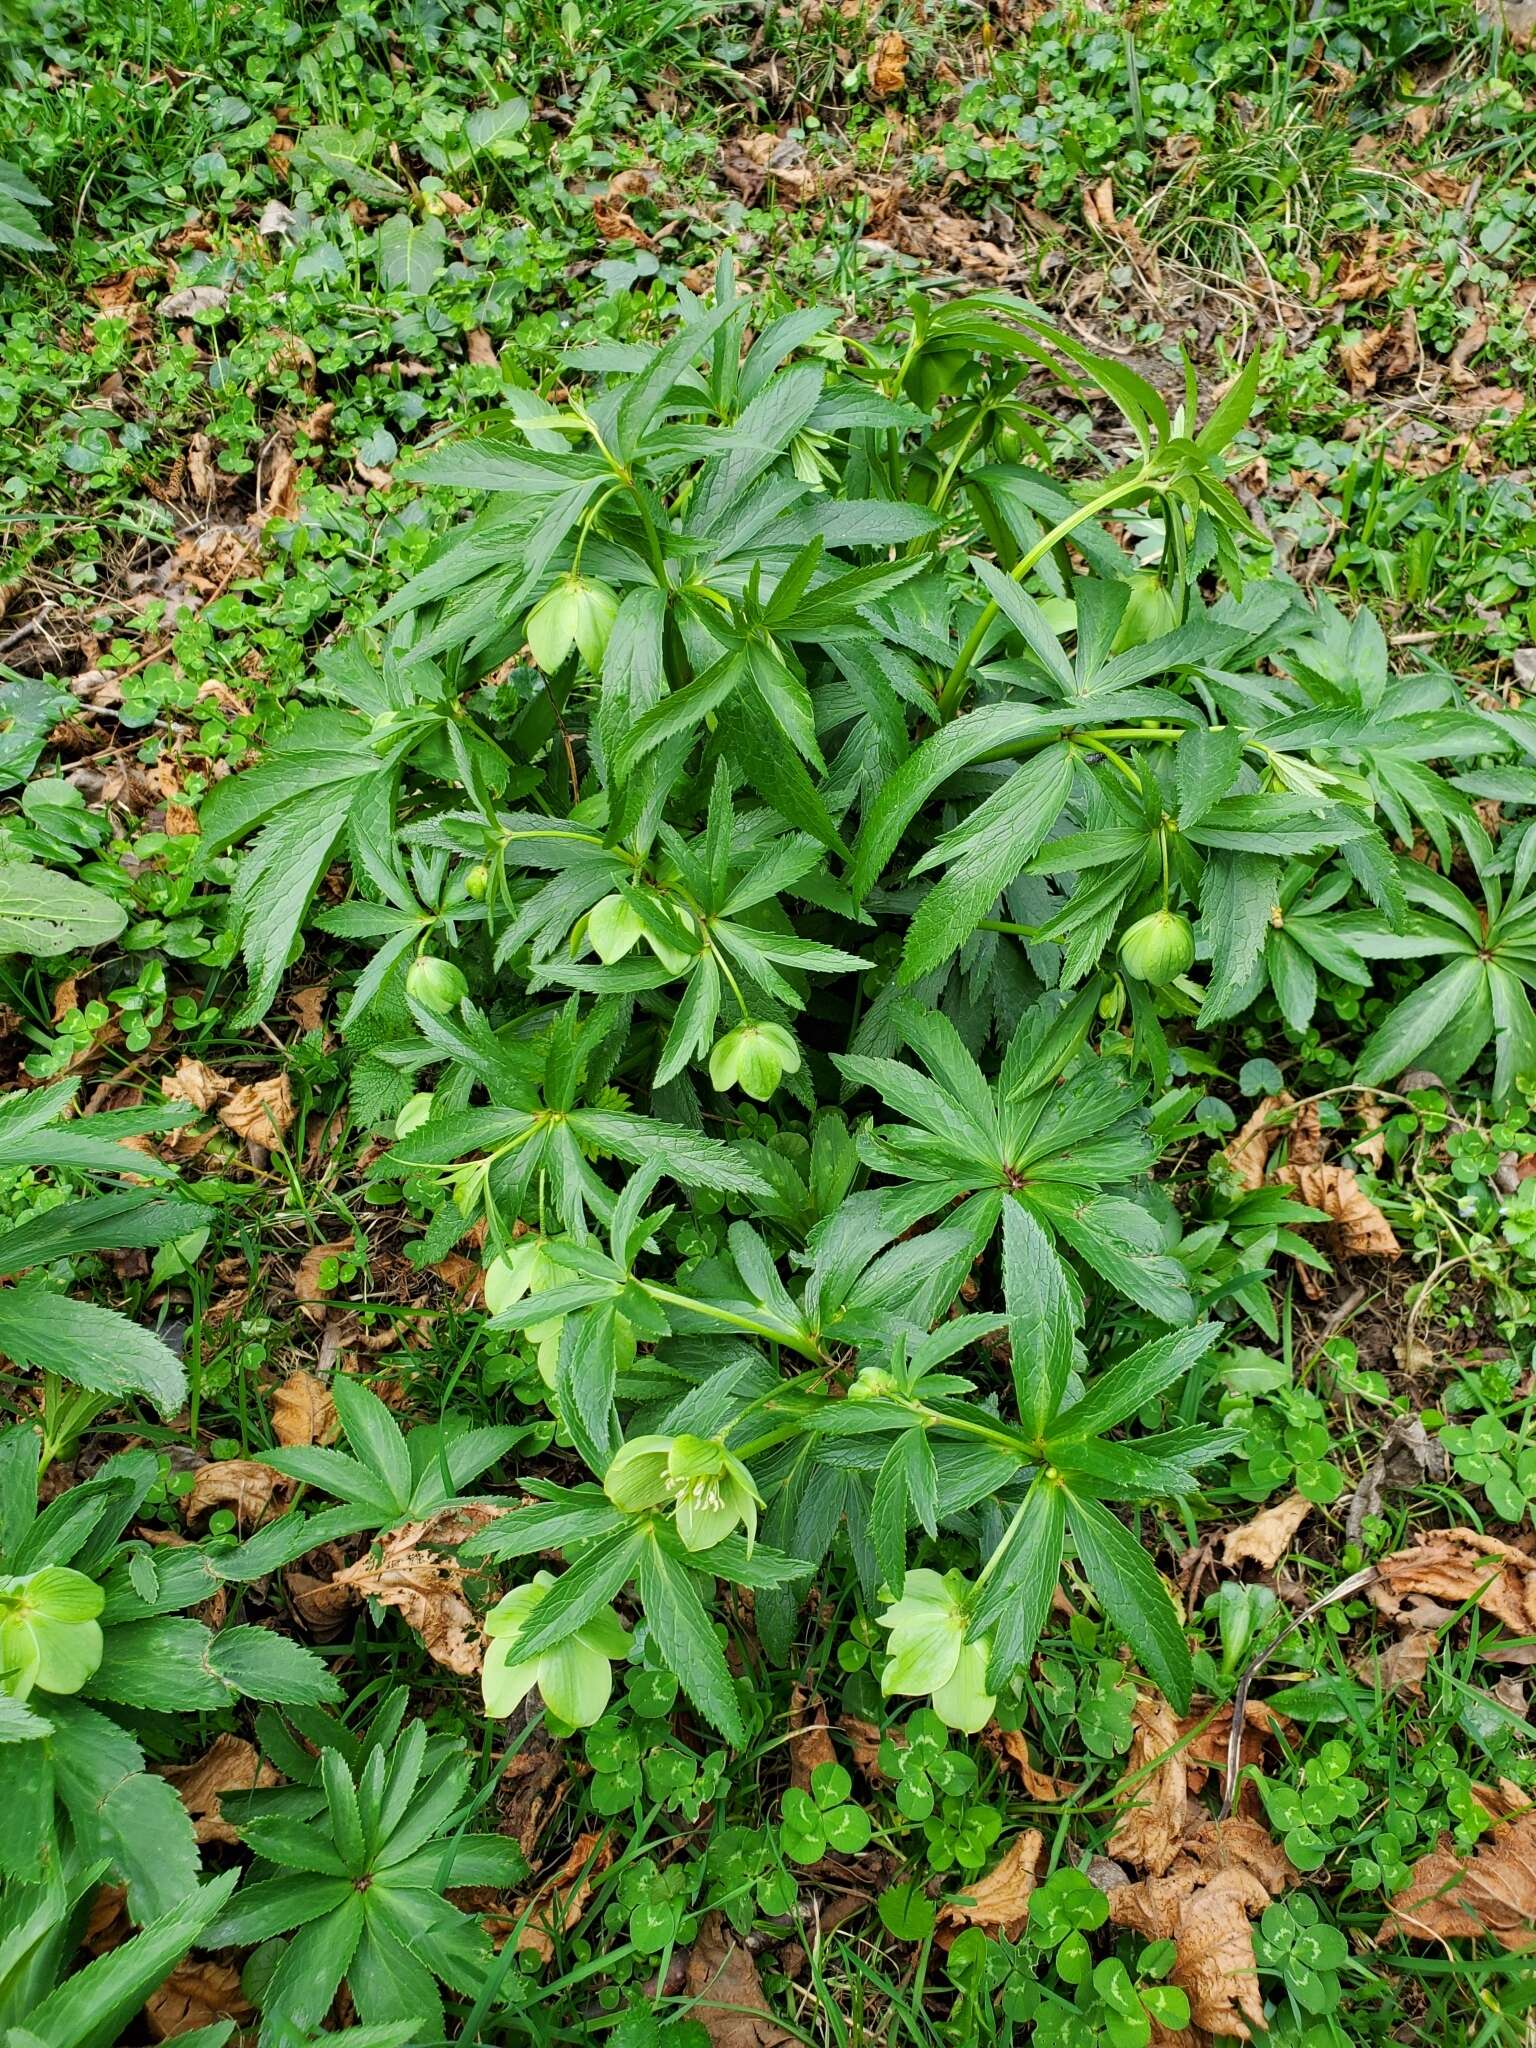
307,1006
1490,1893
1458,1565
1013,1744
886,66
1248,1153
481,350
320,1604
1358,1229
1226,1875
1155,1815
722,1978
231,1764
193,1082
1408,1456
263,1111
560,1902
810,1737
237,1483
1206,1749
309,1289
303,1411
1266,1539
1000,1900
1373,1147
864,1741
1402,1666
196,1994
413,1570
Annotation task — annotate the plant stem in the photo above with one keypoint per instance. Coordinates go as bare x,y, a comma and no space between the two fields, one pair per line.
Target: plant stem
954,685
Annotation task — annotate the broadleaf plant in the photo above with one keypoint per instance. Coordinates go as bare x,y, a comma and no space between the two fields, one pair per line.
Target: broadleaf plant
794,818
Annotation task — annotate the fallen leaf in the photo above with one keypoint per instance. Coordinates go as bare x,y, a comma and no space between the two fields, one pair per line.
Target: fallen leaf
1000,1900
1458,1565
309,1288
194,298
1408,1455
237,1483
262,1112
1155,1816
1206,1748
1248,1153
864,1741
231,1764
196,1994
193,1082
320,1604
810,1738
303,1411
722,1979
1490,1893
307,1006
886,66
532,1788
1267,1538
1402,1666
1226,1875
413,1570
1358,1230
1014,1745
481,350
560,1902
1373,1147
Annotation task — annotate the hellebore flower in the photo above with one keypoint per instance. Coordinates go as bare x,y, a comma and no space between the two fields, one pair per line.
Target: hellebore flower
929,1653
575,1678
49,1635
578,612
713,1490
754,1058
525,1268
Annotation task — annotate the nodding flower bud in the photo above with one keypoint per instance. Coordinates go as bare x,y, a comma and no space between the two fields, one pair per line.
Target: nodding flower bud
435,984
477,882
1158,947
578,612
1149,613
873,1383
754,1058
636,1478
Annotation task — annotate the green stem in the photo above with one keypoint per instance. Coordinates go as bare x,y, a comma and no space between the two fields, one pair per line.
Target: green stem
717,1314
954,685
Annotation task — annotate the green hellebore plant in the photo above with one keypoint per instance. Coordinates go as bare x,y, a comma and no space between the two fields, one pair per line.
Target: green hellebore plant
929,1653
578,612
754,1058
575,1678
713,1490
49,1635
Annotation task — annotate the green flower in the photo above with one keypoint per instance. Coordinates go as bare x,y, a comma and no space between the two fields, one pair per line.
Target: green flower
578,612
615,926
713,1490
753,1058
1159,947
575,1679
436,984
525,1268
929,1653
49,1634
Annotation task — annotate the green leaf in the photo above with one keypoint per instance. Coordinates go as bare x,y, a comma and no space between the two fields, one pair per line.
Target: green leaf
1023,1579
43,914
685,1636
1238,891
1133,1596
411,252
93,2005
597,1577
262,1665
1129,1384
993,845
88,1346
1039,1318
1450,1017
